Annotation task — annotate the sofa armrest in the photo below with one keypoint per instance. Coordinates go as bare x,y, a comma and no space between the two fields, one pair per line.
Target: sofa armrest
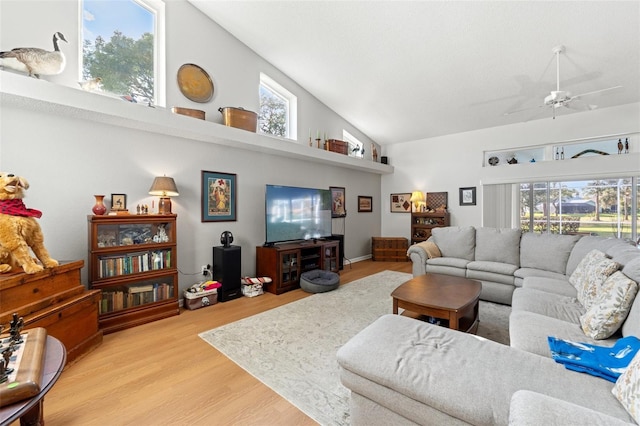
532,409
418,256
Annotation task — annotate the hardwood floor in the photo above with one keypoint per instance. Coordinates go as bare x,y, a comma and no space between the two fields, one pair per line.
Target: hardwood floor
162,373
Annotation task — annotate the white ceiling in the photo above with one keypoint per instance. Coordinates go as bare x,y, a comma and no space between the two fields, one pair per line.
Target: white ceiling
407,70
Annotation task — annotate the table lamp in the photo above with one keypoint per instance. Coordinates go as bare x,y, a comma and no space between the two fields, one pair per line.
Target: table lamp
417,198
164,187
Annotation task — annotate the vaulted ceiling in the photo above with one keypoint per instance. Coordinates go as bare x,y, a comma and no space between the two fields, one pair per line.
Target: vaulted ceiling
407,70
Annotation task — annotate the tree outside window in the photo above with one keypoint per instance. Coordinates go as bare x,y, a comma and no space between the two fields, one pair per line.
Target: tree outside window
273,112
118,47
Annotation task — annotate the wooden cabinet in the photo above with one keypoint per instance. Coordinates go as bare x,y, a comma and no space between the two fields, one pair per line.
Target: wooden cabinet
389,249
56,300
284,263
423,223
133,261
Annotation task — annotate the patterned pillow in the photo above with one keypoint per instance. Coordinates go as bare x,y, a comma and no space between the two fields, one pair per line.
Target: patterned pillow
627,388
610,307
589,275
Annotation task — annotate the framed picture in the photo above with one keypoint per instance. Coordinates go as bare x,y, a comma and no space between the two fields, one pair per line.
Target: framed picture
365,204
338,208
118,202
400,203
468,196
219,195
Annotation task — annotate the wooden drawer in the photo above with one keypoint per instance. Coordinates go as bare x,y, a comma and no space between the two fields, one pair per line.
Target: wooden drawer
73,321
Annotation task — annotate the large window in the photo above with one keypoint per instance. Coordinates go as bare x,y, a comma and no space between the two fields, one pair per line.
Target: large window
278,109
606,207
123,48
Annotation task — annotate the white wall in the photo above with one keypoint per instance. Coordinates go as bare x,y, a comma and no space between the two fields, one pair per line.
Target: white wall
450,162
67,160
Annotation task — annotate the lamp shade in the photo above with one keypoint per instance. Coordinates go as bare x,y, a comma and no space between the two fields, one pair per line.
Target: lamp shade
417,196
164,186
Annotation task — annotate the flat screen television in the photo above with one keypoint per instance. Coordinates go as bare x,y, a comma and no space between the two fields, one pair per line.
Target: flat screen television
293,213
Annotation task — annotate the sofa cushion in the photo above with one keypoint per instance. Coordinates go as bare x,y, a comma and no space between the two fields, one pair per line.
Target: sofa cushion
498,245
610,308
548,304
627,388
631,326
490,276
495,267
589,275
529,332
550,285
585,245
632,269
623,253
549,252
455,241
533,408
523,273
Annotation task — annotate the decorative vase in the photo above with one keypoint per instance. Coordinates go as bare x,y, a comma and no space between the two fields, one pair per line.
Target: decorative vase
99,209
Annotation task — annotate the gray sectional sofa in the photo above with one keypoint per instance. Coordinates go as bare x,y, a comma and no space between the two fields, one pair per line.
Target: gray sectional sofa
403,371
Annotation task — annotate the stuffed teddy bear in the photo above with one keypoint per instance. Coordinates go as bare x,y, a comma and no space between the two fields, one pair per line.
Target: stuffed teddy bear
19,229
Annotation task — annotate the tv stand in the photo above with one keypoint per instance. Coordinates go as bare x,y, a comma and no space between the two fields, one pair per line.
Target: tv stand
284,263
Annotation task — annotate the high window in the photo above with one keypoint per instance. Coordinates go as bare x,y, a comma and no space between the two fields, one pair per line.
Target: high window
123,47
356,148
605,207
278,109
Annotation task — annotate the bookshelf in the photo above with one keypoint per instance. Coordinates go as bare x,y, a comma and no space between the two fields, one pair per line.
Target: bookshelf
133,262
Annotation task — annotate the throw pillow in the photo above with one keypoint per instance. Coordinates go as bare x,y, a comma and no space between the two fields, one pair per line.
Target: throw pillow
610,308
627,388
582,270
431,248
592,271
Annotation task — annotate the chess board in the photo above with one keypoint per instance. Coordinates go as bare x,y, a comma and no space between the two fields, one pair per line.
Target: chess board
26,361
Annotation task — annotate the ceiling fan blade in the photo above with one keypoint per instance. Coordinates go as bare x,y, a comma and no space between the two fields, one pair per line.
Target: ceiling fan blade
594,92
524,109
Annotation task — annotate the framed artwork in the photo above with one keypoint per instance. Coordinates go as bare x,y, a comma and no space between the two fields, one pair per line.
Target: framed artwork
365,204
338,208
118,202
400,203
468,196
219,195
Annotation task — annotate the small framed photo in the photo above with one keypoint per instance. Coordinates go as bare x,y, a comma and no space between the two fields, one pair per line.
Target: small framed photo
118,202
400,203
338,207
218,198
468,196
365,204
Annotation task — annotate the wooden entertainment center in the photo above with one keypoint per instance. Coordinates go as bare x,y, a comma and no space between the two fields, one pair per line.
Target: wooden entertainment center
284,263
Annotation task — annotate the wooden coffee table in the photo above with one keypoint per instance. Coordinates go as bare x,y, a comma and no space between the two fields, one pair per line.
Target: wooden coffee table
454,299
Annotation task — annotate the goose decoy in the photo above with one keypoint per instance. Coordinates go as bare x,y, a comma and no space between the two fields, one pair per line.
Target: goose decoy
34,60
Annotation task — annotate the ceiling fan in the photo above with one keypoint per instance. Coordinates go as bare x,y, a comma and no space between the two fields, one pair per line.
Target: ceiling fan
562,98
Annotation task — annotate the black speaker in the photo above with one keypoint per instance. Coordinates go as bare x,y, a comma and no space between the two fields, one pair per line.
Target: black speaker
384,159
226,270
340,239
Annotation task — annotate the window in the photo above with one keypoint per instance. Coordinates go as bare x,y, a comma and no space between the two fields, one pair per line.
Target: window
356,148
123,46
597,207
278,109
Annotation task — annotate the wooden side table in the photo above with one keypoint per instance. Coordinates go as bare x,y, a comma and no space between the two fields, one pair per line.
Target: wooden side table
30,411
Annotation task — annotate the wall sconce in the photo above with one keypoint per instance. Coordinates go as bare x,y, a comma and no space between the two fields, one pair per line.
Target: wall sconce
164,187
417,198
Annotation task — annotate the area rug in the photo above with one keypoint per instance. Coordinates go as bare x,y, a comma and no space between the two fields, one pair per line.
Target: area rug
292,348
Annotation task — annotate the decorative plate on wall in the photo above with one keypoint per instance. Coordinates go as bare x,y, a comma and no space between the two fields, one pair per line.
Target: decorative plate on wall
194,83
493,161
